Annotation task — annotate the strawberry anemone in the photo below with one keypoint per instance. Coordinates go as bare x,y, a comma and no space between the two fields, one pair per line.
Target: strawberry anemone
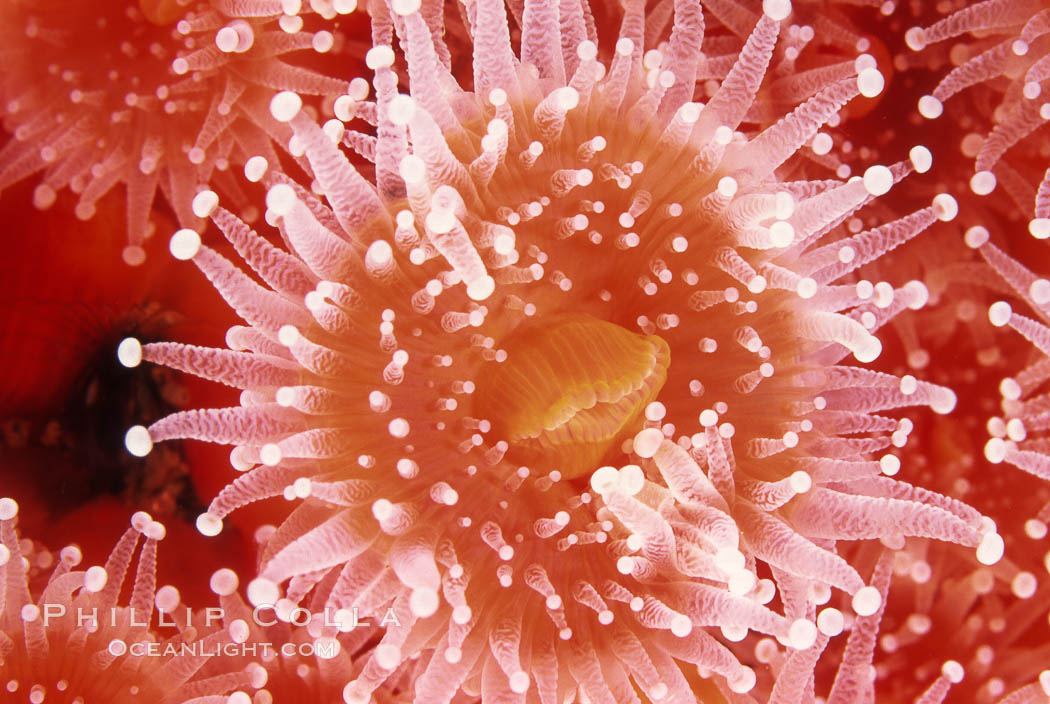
153,95
1003,55
1020,433
565,385
69,637
997,613
291,653
74,640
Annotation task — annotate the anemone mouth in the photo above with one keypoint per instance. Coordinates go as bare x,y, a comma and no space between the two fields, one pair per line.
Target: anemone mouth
571,387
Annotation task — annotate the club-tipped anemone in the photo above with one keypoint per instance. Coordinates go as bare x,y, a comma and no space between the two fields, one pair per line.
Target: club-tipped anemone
157,95
1019,433
1000,48
559,379
997,615
302,653
71,637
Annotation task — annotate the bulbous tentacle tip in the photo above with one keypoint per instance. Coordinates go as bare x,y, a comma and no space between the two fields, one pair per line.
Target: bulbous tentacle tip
8,509
138,441
867,601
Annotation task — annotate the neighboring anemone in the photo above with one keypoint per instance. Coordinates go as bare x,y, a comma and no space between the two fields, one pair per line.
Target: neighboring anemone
830,27
953,324
71,640
1006,53
155,94
1020,435
996,615
294,654
566,379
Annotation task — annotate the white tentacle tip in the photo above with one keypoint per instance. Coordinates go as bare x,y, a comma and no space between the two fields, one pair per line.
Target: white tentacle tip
915,38
209,524
921,158
1040,291
379,57
481,288
889,465
878,180
801,482
945,207
976,236
270,454
224,582
866,601
605,479
138,441
255,168
1039,228
184,244
285,106
776,10
129,352
681,625
95,579
155,530
288,335
930,107
869,351
999,313
943,402
205,203
519,682
139,520
991,548
8,509
401,110
423,602
647,442
830,622
743,680
133,255
281,198
404,8
982,183
262,591
870,82
953,671
802,634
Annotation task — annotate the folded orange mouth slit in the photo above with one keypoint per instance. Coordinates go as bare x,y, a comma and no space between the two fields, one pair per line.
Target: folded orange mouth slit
571,388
